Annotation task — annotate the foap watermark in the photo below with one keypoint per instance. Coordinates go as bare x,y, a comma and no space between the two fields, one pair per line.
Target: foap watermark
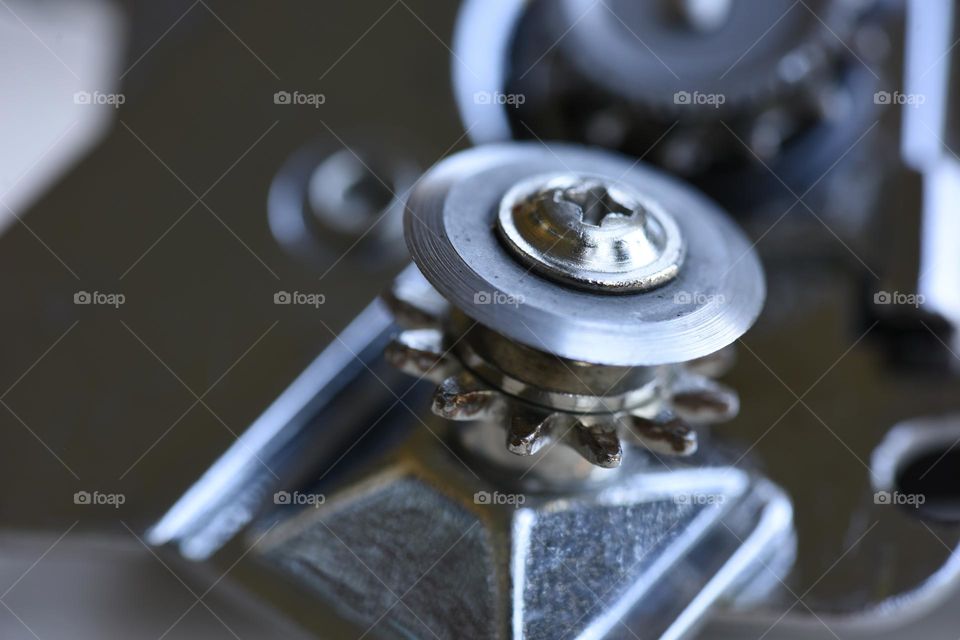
698,297
114,100
898,298
699,499
697,98
98,498
495,97
896,97
299,98
298,297
498,298
298,498
99,298
496,498
915,500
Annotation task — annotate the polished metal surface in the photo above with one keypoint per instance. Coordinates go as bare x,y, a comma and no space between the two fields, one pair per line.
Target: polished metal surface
591,233
712,301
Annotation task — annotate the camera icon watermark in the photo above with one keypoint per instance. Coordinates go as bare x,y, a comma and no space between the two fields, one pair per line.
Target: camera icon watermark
97,498
297,297
314,100
896,97
897,298
115,100
699,499
495,97
514,500
915,500
99,298
698,298
497,298
298,498
685,98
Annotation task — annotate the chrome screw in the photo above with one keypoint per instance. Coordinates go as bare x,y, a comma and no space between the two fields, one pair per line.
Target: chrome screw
591,233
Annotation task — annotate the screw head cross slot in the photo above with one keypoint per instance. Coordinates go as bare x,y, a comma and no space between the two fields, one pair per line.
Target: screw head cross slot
591,233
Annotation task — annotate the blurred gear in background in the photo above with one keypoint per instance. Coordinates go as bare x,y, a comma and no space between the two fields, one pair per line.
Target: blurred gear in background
677,82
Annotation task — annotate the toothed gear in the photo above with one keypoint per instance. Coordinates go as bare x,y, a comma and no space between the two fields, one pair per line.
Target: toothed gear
698,87
605,368
664,422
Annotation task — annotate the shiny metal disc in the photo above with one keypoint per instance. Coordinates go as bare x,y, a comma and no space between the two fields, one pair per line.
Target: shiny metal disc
450,231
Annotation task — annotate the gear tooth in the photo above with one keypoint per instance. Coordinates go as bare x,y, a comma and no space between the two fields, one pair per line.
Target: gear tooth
700,400
413,302
420,353
463,397
529,430
598,443
665,433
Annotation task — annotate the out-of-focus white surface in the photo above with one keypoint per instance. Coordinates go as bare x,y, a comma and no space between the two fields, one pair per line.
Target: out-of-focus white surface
91,587
927,140
50,51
